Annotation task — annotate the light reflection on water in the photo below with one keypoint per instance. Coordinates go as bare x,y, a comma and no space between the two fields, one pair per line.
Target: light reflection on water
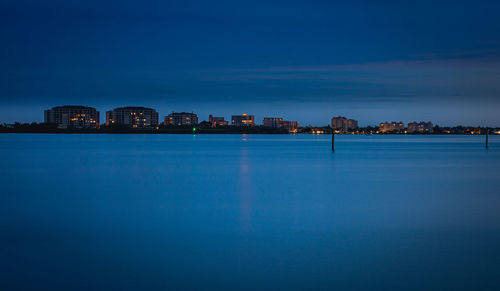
246,211
245,188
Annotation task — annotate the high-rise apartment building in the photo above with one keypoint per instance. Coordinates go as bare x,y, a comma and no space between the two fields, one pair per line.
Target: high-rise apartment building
181,118
278,122
133,117
344,124
73,116
243,120
273,121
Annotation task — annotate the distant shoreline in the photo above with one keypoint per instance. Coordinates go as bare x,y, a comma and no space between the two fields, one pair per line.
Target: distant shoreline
201,131
203,128
189,130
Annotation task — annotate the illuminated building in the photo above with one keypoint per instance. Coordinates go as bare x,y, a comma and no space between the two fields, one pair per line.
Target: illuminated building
243,120
132,116
291,126
344,124
421,127
71,116
278,122
391,126
181,118
217,121
273,121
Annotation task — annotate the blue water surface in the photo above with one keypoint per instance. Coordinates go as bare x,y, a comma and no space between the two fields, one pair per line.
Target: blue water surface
163,212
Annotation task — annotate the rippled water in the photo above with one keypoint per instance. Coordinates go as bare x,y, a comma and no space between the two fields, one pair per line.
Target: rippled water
248,212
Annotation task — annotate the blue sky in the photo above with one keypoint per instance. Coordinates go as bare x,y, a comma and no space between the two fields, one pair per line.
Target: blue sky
301,60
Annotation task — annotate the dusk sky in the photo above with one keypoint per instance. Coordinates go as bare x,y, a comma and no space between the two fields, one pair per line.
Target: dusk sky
372,61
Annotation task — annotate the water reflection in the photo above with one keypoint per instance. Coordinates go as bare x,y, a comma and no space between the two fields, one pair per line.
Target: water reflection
245,188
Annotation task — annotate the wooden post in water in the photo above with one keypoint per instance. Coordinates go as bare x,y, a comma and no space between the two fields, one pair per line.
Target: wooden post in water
487,137
333,141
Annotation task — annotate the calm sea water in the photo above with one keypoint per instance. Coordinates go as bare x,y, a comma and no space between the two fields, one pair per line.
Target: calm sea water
249,212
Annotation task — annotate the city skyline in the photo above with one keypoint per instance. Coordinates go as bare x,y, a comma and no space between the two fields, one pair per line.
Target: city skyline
26,119
425,60
139,119
128,115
